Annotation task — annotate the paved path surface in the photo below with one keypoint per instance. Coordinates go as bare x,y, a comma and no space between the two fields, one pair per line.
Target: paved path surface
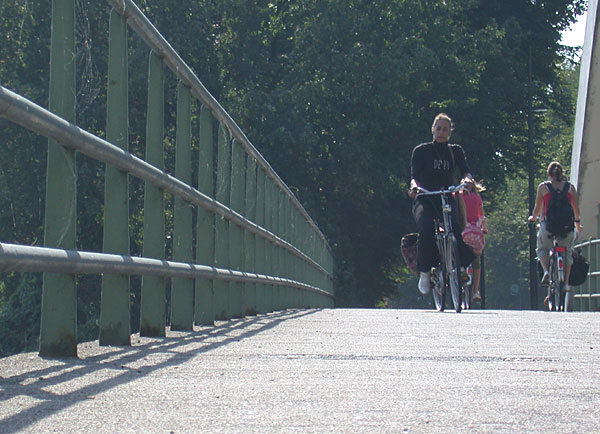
323,371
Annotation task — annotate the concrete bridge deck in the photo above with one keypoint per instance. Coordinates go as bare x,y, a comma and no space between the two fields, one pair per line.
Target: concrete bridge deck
317,371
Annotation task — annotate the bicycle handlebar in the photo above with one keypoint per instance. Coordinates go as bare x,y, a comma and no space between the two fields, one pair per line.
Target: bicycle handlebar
450,189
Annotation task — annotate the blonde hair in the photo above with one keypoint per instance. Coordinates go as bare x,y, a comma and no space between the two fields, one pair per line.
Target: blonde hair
555,171
478,186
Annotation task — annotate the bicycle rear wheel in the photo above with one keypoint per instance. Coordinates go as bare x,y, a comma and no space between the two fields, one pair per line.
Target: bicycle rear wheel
554,289
438,288
560,296
454,273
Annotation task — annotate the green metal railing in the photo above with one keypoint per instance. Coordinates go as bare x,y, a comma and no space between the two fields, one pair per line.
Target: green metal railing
256,249
586,297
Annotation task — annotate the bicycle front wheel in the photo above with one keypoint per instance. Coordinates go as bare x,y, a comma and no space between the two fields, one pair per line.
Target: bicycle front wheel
438,288
454,273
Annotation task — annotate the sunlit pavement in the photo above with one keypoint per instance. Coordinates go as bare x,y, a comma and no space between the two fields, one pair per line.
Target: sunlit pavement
317,371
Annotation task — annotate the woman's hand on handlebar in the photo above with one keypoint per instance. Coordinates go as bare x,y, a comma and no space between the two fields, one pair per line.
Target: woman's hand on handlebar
413,190
531,219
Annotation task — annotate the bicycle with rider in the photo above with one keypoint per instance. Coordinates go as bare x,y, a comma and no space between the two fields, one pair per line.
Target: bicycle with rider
545,239
432,167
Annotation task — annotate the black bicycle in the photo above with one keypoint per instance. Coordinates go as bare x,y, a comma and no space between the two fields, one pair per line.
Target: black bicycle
448,275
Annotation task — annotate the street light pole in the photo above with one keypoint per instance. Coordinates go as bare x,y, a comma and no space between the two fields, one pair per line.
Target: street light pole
532,232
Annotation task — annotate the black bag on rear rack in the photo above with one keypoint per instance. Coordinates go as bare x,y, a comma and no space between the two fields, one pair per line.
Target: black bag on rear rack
579,269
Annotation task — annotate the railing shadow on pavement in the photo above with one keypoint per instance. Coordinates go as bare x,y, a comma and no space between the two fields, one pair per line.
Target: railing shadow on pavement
121,359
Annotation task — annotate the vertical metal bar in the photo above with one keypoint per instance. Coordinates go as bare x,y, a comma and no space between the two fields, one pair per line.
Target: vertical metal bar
296,261
276,290
285,217
594,263
221,288
236,237
531,191
283,304
115,316
182,289
58,328
153,304
306,267
278,225
249,237
269,304
205,235
260,266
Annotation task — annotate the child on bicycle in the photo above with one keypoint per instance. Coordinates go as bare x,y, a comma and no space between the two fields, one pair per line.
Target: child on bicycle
474,230
545,239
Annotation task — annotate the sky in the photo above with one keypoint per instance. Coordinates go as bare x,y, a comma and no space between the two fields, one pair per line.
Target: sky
575,36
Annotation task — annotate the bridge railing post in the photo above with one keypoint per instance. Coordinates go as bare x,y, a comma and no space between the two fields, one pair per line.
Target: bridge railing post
221,288
182,289
250,304
115,328
236,247
205,226
153,301
58,329
261,243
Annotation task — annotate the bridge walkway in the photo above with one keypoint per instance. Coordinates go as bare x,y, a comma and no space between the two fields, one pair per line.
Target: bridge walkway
323,370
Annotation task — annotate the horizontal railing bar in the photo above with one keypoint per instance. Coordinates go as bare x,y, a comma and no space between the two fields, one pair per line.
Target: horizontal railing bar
14,257
29,115
594,295
146,30
587,243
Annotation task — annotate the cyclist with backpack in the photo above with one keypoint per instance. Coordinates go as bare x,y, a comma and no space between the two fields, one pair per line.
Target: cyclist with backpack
557,206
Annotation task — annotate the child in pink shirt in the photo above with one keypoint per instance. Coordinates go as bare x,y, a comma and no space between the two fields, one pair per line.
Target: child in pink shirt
473,233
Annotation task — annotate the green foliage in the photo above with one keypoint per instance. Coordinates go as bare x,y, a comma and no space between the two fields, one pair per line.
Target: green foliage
20,308
506,251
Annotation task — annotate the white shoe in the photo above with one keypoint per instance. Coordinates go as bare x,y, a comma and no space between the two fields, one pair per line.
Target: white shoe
545,278
424,283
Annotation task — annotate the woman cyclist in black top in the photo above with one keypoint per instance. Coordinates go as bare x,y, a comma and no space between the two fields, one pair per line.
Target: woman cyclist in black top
432,168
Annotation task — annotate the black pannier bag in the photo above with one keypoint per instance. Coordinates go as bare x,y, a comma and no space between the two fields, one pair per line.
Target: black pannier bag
579,269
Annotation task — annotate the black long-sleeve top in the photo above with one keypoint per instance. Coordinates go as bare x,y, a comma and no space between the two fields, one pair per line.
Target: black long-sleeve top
432,167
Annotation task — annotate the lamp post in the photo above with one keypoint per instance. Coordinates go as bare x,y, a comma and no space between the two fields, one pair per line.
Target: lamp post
532,234
533,277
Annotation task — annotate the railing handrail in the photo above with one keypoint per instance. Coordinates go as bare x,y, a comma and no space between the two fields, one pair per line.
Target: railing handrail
16,257
29,115
590,242
146,30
